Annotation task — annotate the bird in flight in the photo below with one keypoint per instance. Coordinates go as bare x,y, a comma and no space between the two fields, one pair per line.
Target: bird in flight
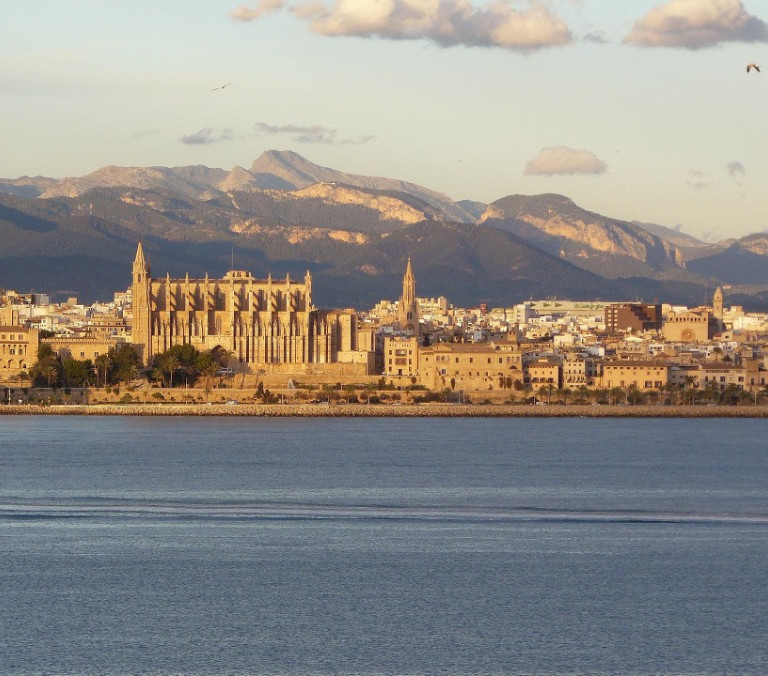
226,84
750,66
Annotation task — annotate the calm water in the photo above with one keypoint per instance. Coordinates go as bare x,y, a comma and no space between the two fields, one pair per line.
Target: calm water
383,545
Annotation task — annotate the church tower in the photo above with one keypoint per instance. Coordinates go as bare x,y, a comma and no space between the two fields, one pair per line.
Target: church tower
717,308
717,304
408,308
140,289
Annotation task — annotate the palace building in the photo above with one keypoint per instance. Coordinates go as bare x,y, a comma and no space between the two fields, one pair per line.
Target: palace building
257,321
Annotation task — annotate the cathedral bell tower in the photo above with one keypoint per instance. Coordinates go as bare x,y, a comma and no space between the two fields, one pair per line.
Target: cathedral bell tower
717,308
408,308
141,305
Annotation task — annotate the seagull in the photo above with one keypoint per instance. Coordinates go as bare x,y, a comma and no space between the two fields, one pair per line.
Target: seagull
750,66
226,84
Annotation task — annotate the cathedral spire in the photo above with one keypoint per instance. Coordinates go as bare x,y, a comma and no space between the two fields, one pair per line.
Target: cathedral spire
140,265
408,309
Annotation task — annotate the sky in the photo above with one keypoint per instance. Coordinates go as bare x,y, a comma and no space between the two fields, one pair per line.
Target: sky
640,110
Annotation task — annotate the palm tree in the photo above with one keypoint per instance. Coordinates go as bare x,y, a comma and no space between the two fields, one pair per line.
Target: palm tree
50,373
209,373
689,382
584,393
102,364
169,363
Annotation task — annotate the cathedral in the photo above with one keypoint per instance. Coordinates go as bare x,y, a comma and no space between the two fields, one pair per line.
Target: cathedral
257,321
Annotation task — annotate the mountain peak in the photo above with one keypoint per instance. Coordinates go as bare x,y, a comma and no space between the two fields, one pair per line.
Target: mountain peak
290,168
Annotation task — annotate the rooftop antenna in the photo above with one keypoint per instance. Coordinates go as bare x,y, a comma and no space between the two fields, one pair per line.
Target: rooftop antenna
233,258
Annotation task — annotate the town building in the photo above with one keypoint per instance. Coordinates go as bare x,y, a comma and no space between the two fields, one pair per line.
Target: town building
470,366
643,375
18,350
637,317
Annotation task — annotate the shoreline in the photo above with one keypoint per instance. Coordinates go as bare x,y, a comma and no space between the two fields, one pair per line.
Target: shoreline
385,410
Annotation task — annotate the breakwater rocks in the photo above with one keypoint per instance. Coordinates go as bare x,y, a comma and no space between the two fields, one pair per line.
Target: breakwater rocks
404,410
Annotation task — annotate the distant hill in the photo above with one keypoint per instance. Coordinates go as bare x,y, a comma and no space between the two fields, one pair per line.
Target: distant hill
285,215
739,262
675,237
607,246
273,170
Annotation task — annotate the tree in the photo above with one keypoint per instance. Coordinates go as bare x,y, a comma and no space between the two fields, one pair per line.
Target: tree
615,394
690,381
672,390
187,362
46,372
50,373
23,378
634,395
102,365
76,373
167,363
207,368
125,363
731,394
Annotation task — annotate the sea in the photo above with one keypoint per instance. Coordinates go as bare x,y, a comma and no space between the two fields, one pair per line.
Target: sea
141,545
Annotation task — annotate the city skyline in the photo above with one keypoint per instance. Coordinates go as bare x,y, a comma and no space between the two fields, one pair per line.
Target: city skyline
598,101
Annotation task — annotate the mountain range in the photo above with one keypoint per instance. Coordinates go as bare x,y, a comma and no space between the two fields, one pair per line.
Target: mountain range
285,215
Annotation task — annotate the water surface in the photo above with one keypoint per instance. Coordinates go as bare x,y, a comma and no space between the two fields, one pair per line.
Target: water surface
265,545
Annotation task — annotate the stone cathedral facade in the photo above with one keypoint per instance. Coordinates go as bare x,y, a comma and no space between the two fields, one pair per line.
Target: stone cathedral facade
264,322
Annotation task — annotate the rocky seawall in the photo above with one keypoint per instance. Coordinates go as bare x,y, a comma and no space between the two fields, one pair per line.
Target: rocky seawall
404,410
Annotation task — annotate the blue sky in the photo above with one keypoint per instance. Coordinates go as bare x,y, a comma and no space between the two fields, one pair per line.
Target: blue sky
636,109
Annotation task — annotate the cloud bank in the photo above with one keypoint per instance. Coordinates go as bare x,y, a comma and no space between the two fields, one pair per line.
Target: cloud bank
736,169
207,136
556,160
696,24
262,7
307,134
446,22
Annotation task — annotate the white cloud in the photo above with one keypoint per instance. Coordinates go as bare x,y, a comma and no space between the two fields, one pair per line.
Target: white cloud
243,13
556,160
695,24
446,22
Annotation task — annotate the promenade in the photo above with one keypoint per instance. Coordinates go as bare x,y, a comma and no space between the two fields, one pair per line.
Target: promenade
386,410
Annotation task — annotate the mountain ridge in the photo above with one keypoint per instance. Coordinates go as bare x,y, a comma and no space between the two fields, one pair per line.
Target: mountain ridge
285,208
